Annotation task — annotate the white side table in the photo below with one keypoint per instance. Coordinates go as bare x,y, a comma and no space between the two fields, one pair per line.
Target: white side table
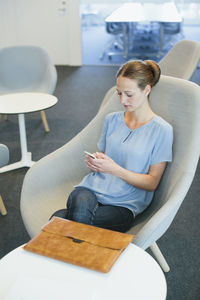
28,276
21,103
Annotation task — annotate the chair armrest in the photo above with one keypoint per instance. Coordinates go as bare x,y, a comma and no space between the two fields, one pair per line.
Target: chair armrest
158,224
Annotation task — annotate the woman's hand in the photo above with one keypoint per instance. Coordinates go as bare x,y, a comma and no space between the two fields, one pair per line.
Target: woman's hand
102,163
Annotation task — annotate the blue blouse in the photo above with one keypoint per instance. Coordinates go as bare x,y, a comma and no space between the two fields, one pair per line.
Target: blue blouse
135,150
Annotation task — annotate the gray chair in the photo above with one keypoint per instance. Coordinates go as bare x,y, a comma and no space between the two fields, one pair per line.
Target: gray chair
4,158
182,59
27,69
48,183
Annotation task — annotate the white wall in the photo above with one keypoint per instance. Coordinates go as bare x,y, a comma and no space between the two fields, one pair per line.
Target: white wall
51,24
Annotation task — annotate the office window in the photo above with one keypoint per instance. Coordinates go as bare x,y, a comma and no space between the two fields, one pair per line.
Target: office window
96,38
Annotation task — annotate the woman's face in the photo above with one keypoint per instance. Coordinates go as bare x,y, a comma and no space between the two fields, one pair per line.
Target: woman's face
131,96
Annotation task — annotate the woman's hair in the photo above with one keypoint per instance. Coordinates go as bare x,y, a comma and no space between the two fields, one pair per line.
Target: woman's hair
144,72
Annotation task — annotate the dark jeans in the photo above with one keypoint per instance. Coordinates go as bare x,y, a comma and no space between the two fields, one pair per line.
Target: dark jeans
83,207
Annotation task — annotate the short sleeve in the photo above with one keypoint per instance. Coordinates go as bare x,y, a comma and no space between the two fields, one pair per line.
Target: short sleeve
102,141
162,150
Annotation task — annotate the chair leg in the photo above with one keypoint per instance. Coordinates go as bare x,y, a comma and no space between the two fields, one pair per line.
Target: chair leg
160,258
2,207
44,120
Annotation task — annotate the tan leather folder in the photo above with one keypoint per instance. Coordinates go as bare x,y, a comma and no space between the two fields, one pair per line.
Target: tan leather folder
76,243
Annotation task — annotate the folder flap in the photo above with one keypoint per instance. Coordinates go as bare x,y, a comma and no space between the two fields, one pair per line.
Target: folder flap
90,234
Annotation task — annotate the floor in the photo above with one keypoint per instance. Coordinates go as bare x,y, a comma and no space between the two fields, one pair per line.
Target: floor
95,38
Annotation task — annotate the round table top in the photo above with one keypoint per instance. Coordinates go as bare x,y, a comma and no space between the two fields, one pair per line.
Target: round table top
17,103
135,275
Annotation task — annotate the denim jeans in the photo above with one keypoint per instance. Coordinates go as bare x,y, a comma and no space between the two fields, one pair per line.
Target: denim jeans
83,207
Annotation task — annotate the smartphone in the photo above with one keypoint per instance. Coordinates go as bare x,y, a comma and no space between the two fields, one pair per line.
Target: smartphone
90,154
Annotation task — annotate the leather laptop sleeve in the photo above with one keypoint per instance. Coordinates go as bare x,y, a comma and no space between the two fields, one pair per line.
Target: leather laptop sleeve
76,243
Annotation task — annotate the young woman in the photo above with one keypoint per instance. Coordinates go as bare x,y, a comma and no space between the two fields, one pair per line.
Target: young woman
134,149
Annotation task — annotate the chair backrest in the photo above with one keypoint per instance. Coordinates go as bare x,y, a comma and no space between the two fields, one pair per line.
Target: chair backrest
26,68
181,60
4,155
50,180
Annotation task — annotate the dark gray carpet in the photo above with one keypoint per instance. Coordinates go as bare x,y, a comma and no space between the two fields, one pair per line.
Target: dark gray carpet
80,92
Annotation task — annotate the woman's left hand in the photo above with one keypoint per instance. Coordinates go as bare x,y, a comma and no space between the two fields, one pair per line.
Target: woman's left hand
102,163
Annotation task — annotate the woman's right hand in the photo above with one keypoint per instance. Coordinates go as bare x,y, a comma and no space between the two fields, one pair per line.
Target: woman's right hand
102,163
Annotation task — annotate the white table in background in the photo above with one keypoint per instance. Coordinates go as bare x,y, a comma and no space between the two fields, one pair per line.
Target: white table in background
28,276
21,103
134,12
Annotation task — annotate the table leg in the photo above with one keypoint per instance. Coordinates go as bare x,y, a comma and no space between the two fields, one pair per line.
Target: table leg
26,160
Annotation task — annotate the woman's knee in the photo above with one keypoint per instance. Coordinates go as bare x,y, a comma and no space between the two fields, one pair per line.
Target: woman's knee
114,218
81,205
80,197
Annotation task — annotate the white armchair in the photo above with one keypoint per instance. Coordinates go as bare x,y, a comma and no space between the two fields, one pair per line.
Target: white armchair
47,184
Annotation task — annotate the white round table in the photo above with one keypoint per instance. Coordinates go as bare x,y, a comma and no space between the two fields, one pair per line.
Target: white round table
28,276
21,103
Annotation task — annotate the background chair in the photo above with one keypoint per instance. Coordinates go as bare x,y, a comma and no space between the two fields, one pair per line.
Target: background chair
47,184
4,158
182,60
27,69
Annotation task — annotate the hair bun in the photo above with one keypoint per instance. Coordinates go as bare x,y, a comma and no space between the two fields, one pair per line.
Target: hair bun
155,69
144,72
